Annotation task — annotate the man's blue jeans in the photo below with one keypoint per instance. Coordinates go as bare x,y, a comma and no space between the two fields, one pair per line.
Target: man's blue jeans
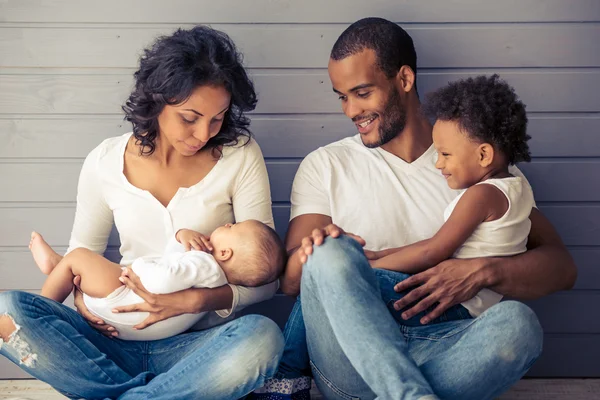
60,348
360,350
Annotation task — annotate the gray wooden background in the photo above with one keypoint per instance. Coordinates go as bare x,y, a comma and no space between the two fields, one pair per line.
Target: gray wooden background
66,67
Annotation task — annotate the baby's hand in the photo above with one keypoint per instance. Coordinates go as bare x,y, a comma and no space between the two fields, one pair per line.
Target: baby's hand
193,240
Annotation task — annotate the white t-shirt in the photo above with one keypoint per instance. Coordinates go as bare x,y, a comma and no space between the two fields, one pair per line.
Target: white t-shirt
503,237
374,194
235,190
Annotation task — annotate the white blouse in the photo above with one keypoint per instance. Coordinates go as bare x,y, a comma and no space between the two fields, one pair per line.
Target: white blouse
236,189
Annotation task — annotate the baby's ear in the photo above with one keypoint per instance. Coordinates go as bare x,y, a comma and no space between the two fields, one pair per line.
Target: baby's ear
223,254
486,154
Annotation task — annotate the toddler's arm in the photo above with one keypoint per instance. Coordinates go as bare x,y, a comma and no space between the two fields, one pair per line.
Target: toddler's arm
478,204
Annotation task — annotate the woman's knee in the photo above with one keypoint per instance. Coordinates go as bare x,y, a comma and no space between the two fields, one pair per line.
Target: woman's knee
264,344
11,308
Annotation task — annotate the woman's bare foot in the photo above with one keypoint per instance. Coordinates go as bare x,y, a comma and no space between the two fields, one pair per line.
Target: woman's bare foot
45,258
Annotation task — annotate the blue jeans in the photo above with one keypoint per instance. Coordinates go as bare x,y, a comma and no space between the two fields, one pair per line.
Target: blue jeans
224,362
360,349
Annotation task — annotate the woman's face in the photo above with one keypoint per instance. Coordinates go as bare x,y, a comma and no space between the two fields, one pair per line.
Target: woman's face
190,125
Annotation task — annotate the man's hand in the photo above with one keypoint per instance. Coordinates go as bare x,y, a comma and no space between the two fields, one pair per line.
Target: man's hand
449,283
158,305
95,322
193,240
317,237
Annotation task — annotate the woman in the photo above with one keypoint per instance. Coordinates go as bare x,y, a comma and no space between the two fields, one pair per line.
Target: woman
189,163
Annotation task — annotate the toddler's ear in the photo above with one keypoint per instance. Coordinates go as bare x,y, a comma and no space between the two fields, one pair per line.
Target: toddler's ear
486,154
223,254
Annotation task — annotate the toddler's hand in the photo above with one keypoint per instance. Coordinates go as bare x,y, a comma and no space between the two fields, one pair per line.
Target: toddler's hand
193,240
373,255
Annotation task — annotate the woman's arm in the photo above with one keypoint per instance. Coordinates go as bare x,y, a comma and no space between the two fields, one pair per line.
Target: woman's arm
93,218
163,306
251,200
477,204
91,228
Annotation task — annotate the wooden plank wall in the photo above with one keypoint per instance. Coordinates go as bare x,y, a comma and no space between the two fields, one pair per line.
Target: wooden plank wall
66,67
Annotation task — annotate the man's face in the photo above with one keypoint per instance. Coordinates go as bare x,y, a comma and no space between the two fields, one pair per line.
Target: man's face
368,97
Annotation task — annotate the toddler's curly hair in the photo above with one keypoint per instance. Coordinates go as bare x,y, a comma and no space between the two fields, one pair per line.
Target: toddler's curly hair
488,110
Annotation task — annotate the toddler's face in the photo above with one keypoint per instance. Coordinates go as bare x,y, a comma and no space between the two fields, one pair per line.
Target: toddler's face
458,155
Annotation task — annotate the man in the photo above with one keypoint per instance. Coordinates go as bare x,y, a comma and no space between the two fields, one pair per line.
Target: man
382,185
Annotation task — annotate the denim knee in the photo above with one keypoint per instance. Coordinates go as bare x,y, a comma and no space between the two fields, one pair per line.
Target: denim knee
265,343
335,259
12,302
522,332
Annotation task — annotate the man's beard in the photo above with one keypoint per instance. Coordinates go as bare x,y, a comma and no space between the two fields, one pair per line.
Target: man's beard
391,121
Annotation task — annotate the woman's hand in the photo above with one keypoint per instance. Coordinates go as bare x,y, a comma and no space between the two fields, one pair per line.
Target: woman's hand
193,240
160,306
95,322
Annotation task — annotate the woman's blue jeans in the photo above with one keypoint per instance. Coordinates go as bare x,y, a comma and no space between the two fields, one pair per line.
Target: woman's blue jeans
55,344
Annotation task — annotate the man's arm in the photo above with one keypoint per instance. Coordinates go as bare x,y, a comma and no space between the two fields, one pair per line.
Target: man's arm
545,268
300,227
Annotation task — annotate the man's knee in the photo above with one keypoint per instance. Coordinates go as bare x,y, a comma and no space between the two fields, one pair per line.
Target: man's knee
522,331
335,258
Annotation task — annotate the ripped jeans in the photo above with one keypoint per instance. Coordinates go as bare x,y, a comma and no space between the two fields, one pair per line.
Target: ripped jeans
56,345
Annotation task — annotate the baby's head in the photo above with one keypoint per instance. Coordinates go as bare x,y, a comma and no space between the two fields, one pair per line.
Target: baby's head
480,128
250,253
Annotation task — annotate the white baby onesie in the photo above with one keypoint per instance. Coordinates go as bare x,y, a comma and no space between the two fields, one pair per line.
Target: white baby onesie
176,270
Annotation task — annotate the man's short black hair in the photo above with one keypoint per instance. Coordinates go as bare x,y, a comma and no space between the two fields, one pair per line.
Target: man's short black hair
392,45
488,110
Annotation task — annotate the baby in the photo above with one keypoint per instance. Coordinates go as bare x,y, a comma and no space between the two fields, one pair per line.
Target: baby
480,130
248,253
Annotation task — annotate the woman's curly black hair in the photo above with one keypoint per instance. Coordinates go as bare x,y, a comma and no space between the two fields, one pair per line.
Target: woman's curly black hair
488,110
173,66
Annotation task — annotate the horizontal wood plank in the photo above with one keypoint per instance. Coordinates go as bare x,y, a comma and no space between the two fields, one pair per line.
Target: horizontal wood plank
19,272
281,136
578,225
291,92
309,46
525,389
54,222
56,180
567,356
568,312
289,11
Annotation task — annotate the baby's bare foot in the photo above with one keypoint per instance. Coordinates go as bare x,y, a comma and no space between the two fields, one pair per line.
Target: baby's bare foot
45,258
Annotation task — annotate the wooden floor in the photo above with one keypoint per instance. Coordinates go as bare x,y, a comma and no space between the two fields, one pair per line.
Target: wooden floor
528,389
